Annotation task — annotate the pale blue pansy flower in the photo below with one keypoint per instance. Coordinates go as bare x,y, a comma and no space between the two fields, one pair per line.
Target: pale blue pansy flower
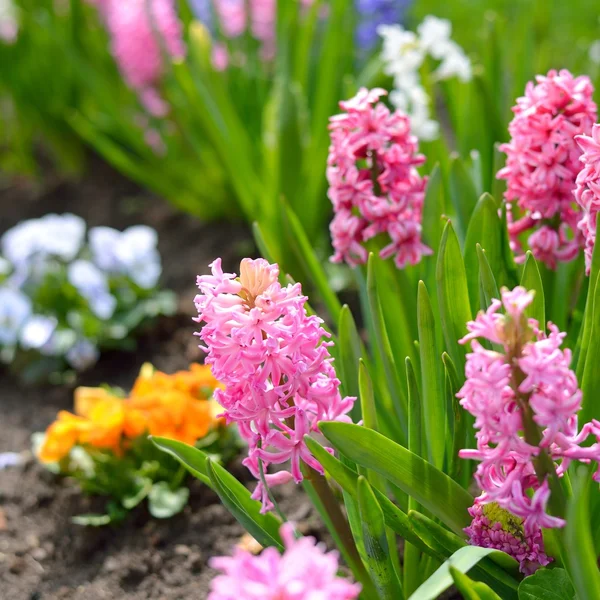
15,309
92,284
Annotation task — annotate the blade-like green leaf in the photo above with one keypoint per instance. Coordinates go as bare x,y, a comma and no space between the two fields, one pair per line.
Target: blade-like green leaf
547,584
487,280
433,208
579,545
463,560
434,406
378,561
531,280
348,480
485,229
235,497
264,528
306,255
472,590
383,349
462,194
430,487
350,351
453,295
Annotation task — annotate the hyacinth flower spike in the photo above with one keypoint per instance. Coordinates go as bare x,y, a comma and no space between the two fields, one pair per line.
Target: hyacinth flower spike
277,374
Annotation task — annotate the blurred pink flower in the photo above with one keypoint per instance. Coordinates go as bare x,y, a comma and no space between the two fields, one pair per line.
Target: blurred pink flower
374,185
270,355
305,571
542,164
142,32
587,193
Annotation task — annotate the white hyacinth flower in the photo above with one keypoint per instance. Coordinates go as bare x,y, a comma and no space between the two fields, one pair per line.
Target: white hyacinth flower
594,52
403,53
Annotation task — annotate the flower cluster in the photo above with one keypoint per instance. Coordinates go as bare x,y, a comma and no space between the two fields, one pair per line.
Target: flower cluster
494,527
373,13
543,162
403,54
278,377
177,406
305,571
587,192
525,399
61,297
374,185
104,444
142,33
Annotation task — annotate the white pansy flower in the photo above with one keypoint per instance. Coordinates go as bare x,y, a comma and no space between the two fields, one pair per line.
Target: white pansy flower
15,309
92,284
37,334
132,253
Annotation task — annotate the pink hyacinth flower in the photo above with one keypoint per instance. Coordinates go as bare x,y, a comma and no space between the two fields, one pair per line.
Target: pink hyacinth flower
374,184
587,192
305,571
543,162
274,363
529,372
142,33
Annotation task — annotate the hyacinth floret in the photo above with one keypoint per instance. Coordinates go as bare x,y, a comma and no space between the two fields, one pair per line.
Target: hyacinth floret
587,192
543,162
374,184
493,527
278,376
305,571
525,399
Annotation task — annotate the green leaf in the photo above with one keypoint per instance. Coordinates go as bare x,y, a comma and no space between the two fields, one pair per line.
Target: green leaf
579,545
235,497
350,350
472,590
191,458
547,584
383,349
91,520
144,485
306,255
453,295
163,502
462,194
487,280
531,280
485,229
433,489
415,419
462,560
367,399
395,519
434,407
434,208
378,561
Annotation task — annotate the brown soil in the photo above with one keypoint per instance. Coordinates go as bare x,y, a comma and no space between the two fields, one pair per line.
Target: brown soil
43,556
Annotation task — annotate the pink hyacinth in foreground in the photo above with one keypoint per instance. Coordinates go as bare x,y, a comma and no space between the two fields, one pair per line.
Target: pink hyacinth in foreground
374,185
587,193
542,165
305,571
270,355
141,32
494,527
520,395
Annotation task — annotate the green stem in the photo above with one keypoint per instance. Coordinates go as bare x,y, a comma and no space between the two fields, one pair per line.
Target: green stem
336,516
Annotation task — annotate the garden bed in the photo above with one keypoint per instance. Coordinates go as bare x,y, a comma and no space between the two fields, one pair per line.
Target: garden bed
42,554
